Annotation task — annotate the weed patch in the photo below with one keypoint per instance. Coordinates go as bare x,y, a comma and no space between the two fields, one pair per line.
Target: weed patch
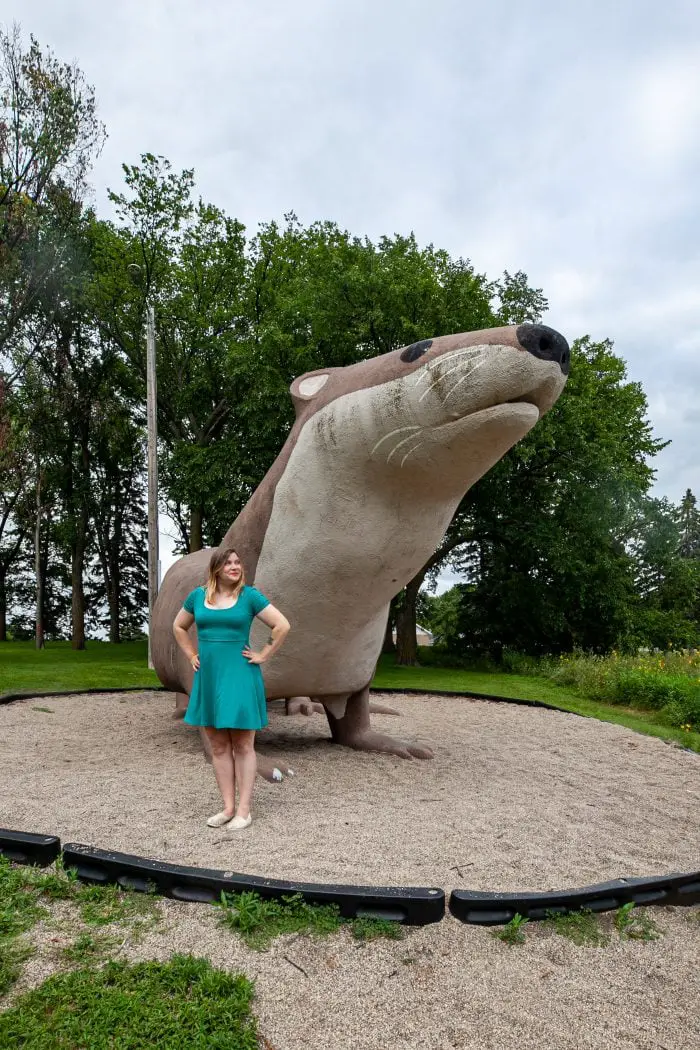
102,905
512,932
259,921
581,927
635,925
368,929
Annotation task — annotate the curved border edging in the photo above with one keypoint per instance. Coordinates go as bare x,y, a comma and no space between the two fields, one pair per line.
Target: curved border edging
412,690
411,905
9,698
25,848
546,706
496,909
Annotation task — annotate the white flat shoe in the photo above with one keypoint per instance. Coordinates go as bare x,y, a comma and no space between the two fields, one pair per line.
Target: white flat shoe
239,823
218,820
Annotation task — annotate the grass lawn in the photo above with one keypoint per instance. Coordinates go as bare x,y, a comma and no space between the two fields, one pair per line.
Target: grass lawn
23,669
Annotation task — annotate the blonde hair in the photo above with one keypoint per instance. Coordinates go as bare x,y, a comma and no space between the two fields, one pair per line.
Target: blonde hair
216,564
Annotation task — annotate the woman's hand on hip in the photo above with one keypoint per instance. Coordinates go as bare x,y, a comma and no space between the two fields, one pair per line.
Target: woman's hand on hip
252,657
194,660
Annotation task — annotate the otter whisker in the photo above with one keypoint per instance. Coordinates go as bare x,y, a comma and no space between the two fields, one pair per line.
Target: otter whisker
410,451
463,379
471,365
467,351
399,430
400,443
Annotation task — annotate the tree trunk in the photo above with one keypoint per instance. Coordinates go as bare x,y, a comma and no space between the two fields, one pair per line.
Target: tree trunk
406,646
115,636
39,568
114,588
196,522
78,552
389,645
3,605
78,593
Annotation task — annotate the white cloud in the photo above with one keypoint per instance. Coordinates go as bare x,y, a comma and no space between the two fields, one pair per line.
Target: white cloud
665,104
560,140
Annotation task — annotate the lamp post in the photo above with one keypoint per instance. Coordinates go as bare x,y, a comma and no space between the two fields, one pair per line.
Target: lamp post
152,462
152,439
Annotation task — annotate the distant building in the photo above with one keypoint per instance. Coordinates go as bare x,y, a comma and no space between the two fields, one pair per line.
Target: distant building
423,635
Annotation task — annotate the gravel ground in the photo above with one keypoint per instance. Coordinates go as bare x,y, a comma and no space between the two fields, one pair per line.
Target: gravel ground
442,987
515,798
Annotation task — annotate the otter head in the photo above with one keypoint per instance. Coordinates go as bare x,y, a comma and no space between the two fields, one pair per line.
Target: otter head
442,410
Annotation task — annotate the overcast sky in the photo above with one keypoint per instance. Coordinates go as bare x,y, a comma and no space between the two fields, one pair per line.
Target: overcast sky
560,139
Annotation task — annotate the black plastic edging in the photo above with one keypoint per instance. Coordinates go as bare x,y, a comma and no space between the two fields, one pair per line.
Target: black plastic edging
496,909
9,698
23,848
546,706
477,696
413,906
410,905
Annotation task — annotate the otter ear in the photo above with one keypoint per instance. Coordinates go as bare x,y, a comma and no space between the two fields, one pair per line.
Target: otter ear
305,388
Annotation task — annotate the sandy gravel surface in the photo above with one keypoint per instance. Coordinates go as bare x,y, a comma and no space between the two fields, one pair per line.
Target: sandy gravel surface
444,986
515,798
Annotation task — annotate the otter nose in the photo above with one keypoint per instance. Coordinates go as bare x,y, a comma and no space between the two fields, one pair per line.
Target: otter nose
545,343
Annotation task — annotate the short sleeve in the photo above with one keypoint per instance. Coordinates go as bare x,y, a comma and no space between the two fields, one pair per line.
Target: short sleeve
188,603
257,600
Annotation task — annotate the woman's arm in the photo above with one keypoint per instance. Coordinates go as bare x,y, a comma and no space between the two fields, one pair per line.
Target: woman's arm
279,625
182,624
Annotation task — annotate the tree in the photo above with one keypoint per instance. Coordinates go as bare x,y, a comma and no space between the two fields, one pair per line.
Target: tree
667,581
188,260
49,135
548,561
118,594
689,520
16,511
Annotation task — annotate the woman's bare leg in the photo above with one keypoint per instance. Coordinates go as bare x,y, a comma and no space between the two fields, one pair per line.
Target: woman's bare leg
246,762
223,761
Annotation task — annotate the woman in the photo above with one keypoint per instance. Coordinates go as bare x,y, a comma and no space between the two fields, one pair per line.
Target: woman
228,695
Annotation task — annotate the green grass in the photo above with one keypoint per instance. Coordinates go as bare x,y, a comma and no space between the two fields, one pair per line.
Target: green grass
89,948
13,954
23,892
19,900
102,905
259,921
182,1003
102,665
528,687
24,669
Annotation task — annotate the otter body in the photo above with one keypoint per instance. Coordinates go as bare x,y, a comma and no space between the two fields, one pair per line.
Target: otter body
361,495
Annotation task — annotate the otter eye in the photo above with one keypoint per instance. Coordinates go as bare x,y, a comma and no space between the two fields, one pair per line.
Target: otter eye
415,350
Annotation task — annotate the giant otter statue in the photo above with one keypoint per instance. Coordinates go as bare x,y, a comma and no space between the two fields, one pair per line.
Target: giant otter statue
360,496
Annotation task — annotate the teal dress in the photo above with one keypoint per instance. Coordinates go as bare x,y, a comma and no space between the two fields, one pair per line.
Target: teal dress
227,691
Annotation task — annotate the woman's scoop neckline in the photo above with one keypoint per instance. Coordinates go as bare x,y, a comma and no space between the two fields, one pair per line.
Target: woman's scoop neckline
222,608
